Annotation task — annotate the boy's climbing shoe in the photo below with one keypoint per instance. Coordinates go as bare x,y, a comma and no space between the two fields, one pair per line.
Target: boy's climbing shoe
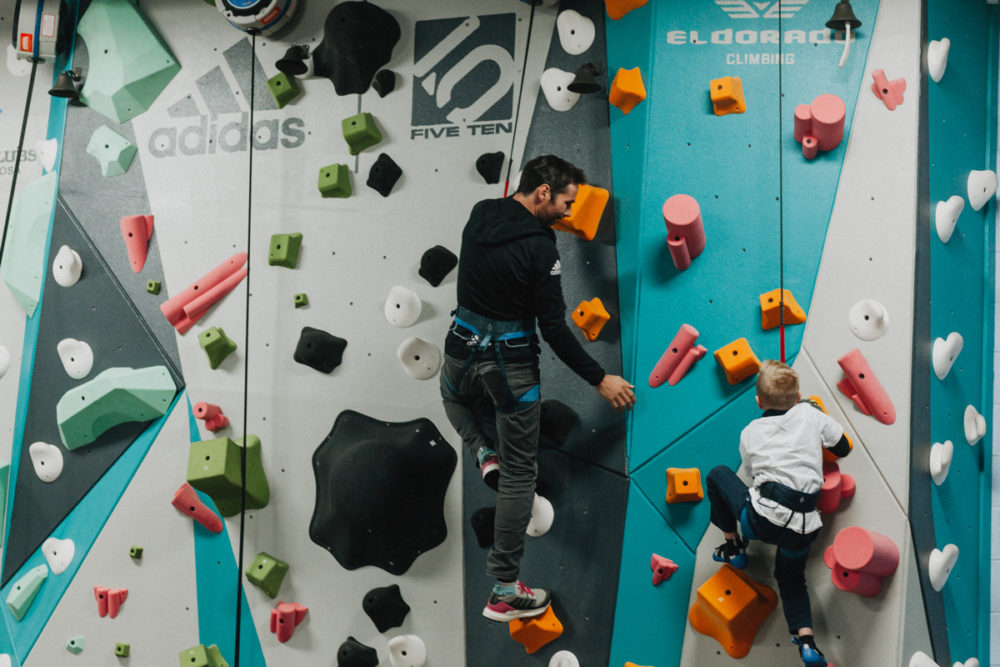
515,601
732,551
811,656
489,466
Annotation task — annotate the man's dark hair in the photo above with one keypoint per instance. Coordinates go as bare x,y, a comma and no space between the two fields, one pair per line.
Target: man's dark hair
555,171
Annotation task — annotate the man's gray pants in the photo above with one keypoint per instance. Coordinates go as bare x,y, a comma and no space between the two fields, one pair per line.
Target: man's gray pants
517,430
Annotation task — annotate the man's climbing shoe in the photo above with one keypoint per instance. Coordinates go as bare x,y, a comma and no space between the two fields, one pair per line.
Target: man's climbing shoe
489,466
515,601
732,551
811,656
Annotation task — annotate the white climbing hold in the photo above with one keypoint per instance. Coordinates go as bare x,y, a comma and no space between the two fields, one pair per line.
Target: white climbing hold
554,84
67,266
939,565
563,659
402,307
16,66
975,425
982,185
937,57
971,662
76,356
58,553
576,31
542,515
420,359
407,651
4,361
946,216
868,319
47,460
940,460
4,657
921,659
47,150
944,353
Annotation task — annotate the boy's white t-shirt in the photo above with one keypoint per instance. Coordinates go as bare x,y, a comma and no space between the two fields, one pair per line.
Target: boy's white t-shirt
788,449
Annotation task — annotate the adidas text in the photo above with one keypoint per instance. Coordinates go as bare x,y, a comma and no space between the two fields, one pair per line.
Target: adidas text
231,137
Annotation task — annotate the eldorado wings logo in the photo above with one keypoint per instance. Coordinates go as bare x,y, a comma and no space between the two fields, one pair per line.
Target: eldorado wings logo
747,9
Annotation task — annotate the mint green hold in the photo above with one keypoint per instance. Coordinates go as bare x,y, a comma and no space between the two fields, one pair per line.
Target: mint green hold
267,572
214,469
75,645
284,250
112,150
200,656
335,181
24,261
130,64
25,590
217,345
283,89
360,132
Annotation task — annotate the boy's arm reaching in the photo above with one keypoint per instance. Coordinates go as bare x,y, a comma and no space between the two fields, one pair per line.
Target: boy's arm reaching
842,448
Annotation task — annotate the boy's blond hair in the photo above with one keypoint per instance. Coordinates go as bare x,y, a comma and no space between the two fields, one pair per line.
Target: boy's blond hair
777,386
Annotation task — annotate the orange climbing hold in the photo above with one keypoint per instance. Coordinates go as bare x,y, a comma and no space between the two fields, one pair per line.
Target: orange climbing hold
627,89
619,8
738,360
770,309
585,214
727,95
730,608
827,454
591,316
684,485
535,632
632,664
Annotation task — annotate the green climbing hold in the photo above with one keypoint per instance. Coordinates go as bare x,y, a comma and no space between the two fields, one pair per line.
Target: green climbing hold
25,590
267,572
301,300
135,552
122,649
217,345
284,250
283,88
112,150
200,656
335,181
153,286
360,132
24,261
75,645
214,468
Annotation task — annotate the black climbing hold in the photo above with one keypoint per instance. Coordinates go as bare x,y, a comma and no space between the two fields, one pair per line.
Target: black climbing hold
319,349
489,166
385,606
383,175
557,420
482,525
358,38
380,490
353,653
435,264
384,82
293,63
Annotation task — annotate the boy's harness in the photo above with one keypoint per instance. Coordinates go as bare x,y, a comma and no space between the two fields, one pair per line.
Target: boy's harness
791,499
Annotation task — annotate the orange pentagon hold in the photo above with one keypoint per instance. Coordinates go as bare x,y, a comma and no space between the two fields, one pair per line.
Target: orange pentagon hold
591,316
627,89
737,360
727,95
534,633
770,309
730,608
684,485
619,8
585,215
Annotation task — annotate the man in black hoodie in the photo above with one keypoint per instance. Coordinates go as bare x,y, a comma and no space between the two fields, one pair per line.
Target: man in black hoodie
509,277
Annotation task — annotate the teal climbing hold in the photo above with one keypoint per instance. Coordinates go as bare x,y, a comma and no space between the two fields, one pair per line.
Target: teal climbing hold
130,64
116,396
267,572
25,590
284,250
360,132
217,345
335,181
112,150
214,468
283,88
202,656
24,264
75,645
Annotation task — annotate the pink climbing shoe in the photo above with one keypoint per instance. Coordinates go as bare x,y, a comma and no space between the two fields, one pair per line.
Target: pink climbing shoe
518,601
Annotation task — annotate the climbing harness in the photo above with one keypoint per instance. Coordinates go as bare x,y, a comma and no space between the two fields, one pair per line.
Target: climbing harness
798,502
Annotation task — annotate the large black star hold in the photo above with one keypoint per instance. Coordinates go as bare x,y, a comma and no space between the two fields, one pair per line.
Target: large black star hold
386,607
380,490
358,39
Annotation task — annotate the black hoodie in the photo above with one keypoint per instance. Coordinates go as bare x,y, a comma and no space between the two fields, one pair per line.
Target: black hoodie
509,269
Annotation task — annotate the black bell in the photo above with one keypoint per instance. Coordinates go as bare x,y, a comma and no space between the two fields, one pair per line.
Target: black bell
294,61
65,85
843,16
585,82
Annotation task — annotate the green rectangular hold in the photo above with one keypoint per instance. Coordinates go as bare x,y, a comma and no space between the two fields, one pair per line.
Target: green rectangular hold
335,181
283,89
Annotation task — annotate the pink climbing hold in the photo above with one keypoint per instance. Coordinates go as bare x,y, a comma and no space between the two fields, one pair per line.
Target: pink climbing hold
284,617
859,560
685,231
862,387
187,501
890,92
211,415
109,600
137,230
663,568
836,487
680,356
186,308
820,126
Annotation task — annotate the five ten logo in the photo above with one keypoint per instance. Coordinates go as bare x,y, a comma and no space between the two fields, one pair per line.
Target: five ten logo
217,117
744,9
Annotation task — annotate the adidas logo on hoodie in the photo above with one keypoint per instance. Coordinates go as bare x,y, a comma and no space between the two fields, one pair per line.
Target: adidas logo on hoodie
556,269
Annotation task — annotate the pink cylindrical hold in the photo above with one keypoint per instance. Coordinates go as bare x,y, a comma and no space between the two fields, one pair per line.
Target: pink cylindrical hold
173,308
810,146
186,499
862,387
136,230
852,581
803,121
828,113
197,307
847,486
865,551
685,231
205,410
831,492
687,361
683,341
